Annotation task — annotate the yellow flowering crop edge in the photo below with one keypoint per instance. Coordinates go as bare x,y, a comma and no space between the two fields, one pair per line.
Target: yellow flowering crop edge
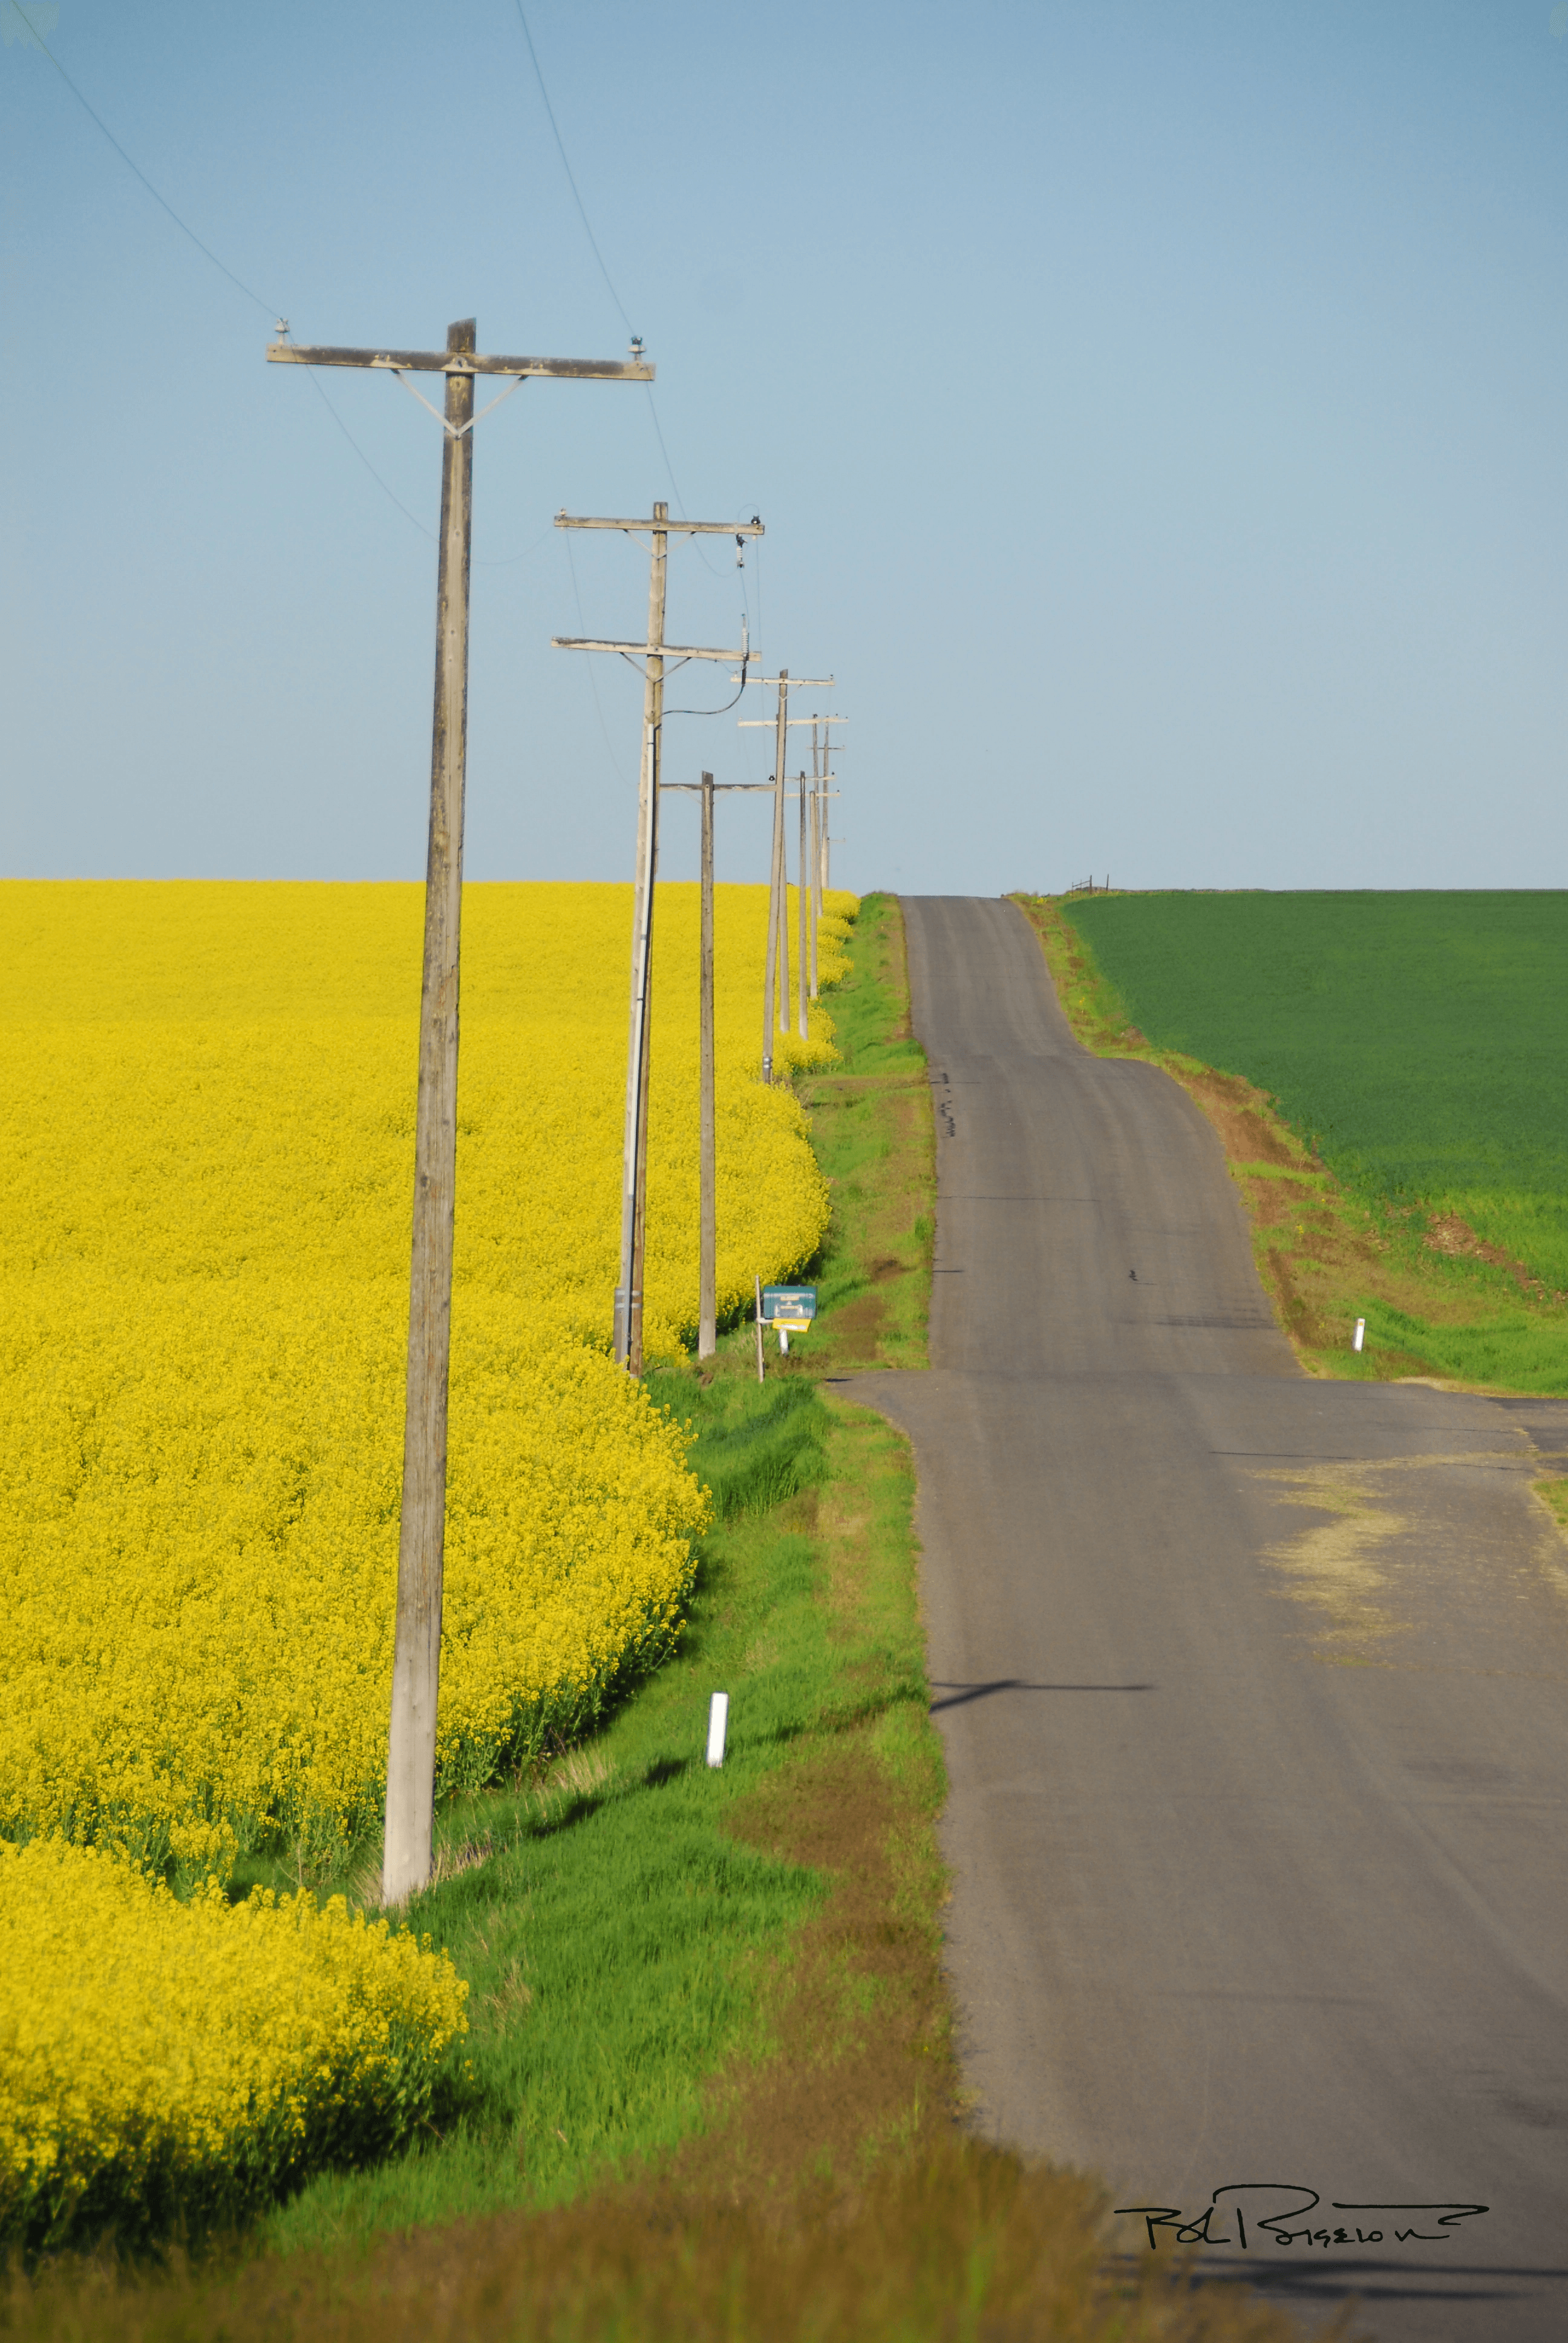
204,1246
169,2067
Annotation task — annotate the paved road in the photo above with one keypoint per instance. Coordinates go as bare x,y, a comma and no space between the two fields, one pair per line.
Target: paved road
1254,1694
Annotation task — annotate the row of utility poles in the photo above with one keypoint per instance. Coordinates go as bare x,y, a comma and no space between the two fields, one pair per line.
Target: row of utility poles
415,1671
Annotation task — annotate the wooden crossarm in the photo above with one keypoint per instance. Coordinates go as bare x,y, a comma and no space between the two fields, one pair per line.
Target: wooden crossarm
458,362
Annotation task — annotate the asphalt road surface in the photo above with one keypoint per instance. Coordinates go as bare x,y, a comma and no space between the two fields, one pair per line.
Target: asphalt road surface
1253,1693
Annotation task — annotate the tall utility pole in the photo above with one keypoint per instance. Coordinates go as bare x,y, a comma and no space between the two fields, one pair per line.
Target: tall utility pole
821,768
707,1151
653,653
421,1543
777,899
816,886
706,1175
803,894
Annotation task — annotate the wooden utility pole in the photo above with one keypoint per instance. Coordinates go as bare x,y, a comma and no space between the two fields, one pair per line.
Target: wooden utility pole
421,1543
707,1162
653,653
777,898
706,1175
816,890
820,879
803,894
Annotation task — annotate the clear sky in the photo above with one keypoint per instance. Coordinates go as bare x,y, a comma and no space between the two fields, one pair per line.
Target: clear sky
1156,412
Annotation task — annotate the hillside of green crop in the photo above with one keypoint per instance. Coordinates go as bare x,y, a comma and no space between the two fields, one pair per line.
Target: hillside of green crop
1418,1040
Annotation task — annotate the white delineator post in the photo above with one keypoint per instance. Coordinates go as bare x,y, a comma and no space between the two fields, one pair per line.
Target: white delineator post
1360,1334
718,1726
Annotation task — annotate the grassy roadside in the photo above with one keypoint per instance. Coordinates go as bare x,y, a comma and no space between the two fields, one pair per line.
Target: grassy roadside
872,1128
1440,1304
1553,1495
713,2093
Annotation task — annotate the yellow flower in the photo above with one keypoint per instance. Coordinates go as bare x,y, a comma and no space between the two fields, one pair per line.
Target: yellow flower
204,1235
161,2060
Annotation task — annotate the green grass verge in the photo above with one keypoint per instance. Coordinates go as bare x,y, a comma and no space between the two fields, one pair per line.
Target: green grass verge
616,1930
616,1934
1404,1053
872,1130
1553,1495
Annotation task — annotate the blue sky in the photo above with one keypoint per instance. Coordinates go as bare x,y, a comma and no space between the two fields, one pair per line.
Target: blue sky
1157,414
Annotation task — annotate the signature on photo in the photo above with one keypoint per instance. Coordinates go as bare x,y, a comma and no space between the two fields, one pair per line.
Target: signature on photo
1256,2205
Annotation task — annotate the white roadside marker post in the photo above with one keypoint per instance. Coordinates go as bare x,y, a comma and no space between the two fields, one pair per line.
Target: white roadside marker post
1360,1334
718,1726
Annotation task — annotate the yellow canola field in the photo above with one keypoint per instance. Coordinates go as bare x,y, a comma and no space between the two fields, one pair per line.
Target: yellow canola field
204,1229
164,2064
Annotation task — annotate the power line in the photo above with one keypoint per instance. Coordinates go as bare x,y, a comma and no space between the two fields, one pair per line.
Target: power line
205,249
670,467
269,308
366,460
604,728
560,149
604,272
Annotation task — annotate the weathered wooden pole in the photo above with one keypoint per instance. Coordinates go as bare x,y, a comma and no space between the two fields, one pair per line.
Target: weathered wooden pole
816,886
634,1200
783,851
778,967
707,1202
707,1304
803,908
417,1656
629,1293
770,1007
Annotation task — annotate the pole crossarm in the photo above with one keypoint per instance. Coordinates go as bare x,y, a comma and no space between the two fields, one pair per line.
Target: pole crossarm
640,650
797,683
458,362
752,528
696,786
768,723
410,1809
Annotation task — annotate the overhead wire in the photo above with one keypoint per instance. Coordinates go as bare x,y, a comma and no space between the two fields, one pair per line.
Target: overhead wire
364,458
593,679
205,249
269,308
603,269
274,310
571,182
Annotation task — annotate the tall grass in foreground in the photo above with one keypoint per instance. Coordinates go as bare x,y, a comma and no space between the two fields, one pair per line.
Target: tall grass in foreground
963,2245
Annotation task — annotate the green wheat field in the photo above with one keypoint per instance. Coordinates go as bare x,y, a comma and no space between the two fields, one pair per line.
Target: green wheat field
1417,1039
